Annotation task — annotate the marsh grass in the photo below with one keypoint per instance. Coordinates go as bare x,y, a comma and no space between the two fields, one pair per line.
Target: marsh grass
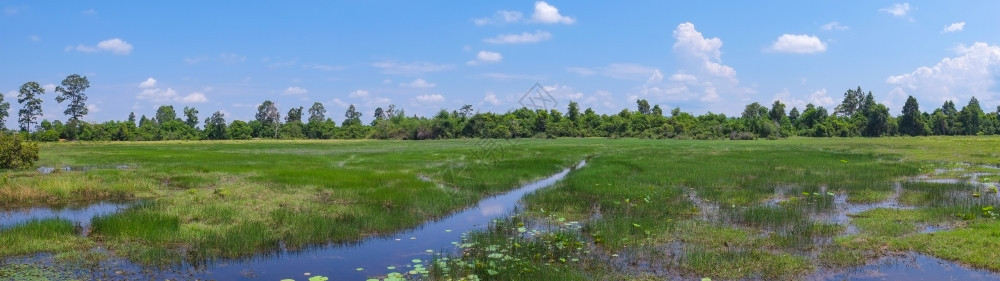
213,201
34,236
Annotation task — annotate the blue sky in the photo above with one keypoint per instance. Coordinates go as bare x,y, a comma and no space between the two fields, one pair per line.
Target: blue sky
423,56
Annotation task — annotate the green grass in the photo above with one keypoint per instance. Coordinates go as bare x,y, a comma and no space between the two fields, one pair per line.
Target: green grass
713,200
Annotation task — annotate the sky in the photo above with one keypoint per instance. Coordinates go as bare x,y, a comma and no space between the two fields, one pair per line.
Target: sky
424,56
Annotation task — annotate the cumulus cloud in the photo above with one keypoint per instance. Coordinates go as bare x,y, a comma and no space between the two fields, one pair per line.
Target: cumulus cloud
701,78
115,45
410,68
897,10
195,97
491,98
955,27
149,83
430,98
49,87
500,17
294,91
833,25
157,95
486,57
816,98
419,83
522,38
798,44
973,72
545,13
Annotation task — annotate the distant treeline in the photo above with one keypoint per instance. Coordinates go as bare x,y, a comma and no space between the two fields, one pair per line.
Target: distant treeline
857,115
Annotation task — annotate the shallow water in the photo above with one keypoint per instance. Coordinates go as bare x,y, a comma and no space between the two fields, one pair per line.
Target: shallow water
912,267
78,214
374,255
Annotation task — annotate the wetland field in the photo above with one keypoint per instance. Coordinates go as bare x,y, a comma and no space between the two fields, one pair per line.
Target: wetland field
894,208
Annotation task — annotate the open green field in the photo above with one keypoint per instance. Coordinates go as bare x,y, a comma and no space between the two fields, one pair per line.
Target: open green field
776,209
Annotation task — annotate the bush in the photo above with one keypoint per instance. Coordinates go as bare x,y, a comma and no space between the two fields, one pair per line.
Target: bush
741,136
15,154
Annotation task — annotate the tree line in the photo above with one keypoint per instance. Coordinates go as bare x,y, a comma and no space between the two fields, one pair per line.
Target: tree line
857,115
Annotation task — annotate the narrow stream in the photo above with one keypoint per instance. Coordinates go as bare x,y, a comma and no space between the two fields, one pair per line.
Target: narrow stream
374,255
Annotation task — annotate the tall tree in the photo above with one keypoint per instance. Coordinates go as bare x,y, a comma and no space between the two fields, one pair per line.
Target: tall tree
643,107
165,113
72,89
853,100
317,113
573,112
267,113
191,116
352,116
215,126
777,111
657,111
911,123
466,111
269,117
294,115
971,117
31,105
878,121
131,118
4,113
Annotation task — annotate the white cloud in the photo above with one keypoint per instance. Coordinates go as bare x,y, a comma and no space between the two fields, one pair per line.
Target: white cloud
582,71
323,67
90,12
705,51
897,10
486,57
955,27
491,98
816,98
34,38
157,95
522,38
11,10
798,44
195,97
149,83
419,83
294,91
359,94
833,25
231,58
624,71
972,73
340,103
701,81
546,13
510,76
683,78
412,68
49,87
430,98
93,108
115,45
500,17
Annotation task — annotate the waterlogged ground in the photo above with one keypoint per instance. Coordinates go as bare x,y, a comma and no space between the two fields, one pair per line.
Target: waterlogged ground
821,209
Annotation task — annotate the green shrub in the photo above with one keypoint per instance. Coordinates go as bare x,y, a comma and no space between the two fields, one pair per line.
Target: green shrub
15,154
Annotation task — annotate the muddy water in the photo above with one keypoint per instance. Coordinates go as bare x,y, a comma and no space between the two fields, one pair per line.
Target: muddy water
372,256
